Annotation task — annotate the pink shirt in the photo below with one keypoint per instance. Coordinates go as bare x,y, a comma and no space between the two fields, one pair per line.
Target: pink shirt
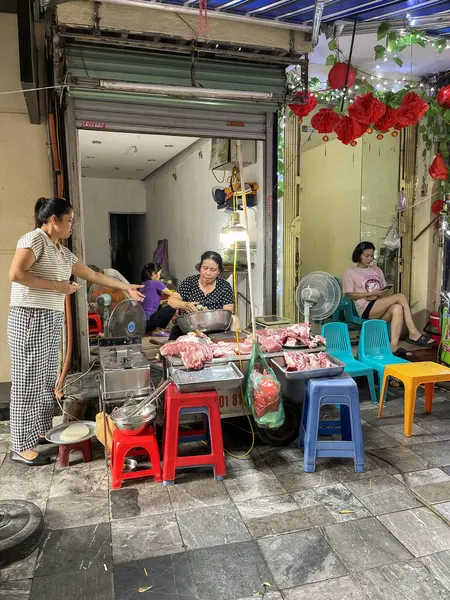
359,281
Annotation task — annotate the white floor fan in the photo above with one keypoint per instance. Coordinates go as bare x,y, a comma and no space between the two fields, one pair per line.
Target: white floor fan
317,296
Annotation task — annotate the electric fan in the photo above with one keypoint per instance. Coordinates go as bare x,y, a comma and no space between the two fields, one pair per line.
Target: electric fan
122,316
317,296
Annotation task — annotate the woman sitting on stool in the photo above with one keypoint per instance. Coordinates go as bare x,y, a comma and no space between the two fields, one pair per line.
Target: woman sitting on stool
158,317
365,284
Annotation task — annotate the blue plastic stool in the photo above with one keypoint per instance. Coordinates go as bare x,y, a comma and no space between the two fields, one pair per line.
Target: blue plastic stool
319,392
192,437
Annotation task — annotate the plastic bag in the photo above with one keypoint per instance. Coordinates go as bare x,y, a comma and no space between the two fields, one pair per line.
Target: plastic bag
262,392
392,239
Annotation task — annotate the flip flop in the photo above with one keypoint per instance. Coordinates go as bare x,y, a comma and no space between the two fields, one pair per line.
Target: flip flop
422,342
402,353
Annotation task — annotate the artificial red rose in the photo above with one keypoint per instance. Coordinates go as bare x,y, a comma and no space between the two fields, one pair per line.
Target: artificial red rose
438,168
387,121
411,110
348,130
366,109
309,104
437,207
443,97
338,78
325,120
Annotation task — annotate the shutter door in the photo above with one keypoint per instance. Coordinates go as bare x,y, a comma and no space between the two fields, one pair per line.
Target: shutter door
142,112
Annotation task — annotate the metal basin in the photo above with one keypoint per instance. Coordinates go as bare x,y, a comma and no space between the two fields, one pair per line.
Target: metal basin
134,425
207,321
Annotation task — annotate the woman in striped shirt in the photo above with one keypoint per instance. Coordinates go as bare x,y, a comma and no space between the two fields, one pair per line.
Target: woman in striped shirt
41,273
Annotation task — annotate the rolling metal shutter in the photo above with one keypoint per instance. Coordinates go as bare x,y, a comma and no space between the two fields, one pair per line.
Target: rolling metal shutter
97,108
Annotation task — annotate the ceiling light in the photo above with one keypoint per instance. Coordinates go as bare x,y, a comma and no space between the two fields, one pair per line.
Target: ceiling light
151,160
116,168
139,169
96,142
168,145
90,157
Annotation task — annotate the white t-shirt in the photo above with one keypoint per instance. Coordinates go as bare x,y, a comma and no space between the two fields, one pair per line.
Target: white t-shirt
360,281
53,262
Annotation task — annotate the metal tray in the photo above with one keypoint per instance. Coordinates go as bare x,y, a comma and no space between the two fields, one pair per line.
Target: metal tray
223,376
280,367
54,435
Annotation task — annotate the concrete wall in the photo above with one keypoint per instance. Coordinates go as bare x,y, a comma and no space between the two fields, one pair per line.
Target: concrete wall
180,208
24,167
100,198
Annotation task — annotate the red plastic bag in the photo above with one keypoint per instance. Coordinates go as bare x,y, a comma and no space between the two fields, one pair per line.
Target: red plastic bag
266,393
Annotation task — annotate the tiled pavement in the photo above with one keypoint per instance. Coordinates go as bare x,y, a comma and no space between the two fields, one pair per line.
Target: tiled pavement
269,531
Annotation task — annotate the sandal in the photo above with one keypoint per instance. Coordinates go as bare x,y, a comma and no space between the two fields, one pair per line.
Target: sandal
422,342
402,353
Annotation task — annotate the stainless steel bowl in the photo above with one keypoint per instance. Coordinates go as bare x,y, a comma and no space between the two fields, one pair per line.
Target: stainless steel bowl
207,321
125,423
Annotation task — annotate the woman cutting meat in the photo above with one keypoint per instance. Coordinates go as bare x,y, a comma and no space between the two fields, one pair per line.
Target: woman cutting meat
365,284
206,290
40,273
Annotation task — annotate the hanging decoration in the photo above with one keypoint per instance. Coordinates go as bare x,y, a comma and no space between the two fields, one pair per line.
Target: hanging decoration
308,104
443,97
325,120
437,207
411,110
387,121
366,109
348,130
438,168
341,76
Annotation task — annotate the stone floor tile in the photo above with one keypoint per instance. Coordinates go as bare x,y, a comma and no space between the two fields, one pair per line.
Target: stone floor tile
293,478
337,499
160,578
299,558
95,584
345,471
258,508
251,484
281,456
419,434
266,596
77,510
2,458
436,454
253,461
382,495
409,580
20,570
145,537
433,493
364,543
374,438
15,590
198,493
231,571
399,459
443,509
342,588
139,500
419,530
68,550
439,566
424,477
285,522
211,526
82,478
440,428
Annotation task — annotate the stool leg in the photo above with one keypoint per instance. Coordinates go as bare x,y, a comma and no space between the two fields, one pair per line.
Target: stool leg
312,431
304,420
170,443
117,466
383,393
346,425
410,401
87,451
358,443
371,382
429,396
216,441
156,460
64,456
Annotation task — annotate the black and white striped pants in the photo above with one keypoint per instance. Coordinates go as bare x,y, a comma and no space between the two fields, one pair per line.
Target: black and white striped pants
34,335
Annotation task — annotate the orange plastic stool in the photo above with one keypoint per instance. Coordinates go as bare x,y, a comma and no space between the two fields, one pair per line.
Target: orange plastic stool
200,402
412,375
135,445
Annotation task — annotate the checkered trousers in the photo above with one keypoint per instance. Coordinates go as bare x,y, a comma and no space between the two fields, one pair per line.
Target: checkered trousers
34,335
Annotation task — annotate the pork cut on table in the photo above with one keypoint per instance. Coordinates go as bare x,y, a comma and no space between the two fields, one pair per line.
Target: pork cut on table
301,361
193,351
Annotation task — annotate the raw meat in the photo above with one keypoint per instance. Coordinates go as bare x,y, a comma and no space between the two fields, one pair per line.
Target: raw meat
301,361
193,352
270,344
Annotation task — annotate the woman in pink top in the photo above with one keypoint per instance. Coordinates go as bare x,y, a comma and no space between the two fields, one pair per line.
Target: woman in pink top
365,284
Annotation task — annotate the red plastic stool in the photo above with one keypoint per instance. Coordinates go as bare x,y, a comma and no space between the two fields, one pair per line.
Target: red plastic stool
66,449
124,444
201,402
94,323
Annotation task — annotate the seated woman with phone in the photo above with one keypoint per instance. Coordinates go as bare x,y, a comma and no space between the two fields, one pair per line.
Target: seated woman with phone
365,284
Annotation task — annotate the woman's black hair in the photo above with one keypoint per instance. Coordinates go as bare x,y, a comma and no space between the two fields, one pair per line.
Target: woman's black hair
45,208
210,255
360,248
150,269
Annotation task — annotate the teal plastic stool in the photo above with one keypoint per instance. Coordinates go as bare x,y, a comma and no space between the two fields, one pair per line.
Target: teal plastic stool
374,349
339,346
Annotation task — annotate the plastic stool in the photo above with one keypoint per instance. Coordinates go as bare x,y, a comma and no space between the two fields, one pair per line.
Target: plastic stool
412,375
66,449
344,392
201,402
124,444
94,323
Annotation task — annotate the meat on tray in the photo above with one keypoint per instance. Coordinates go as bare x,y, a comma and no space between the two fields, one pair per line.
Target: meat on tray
195,351
301,361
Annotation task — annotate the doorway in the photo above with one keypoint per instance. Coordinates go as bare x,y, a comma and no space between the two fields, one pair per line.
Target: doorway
124,249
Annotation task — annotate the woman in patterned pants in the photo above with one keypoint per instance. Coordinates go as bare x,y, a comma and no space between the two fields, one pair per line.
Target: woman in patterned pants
41,274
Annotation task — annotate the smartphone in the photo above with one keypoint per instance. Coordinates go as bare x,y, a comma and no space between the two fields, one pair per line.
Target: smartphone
387,288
